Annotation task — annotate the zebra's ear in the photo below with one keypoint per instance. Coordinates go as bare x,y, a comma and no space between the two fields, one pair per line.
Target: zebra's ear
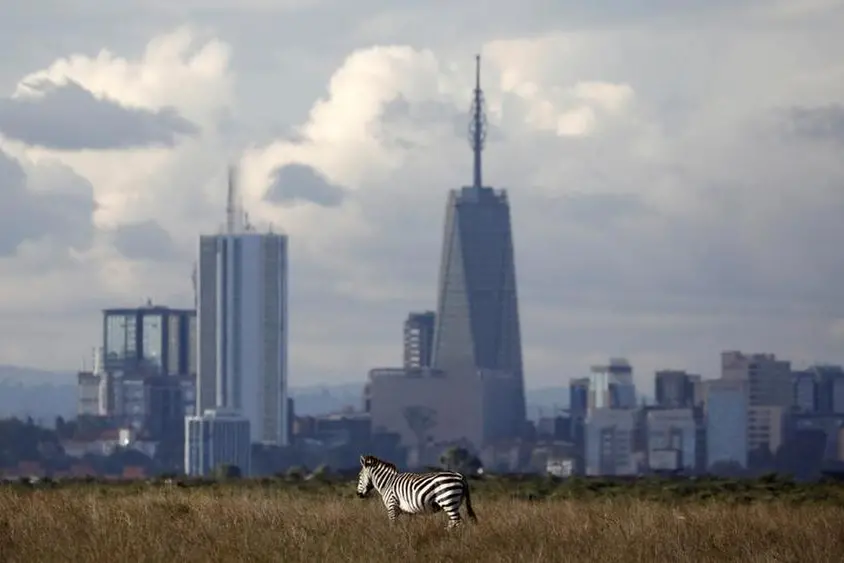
362,461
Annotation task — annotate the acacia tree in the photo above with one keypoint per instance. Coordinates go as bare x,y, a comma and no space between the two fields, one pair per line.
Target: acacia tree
421,420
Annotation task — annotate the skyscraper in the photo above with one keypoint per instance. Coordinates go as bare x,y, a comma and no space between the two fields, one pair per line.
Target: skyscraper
477,318
242,318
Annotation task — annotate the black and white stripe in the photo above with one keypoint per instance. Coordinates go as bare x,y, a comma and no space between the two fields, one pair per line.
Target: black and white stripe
415,493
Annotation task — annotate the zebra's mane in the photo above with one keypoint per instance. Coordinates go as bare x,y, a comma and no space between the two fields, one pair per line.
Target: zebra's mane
372,461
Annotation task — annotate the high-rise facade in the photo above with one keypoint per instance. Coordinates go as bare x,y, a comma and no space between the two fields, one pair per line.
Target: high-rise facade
477,317
805,391
830,388
151,340
671,439
579,396
674,389
611,386
477,309
418,339
727,421
609,442
770,392
242,326
769,380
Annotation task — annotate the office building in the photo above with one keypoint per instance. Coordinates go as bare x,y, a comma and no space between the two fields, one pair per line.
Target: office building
609,442
770,393
726,421
800,426
611,386
696,382
671,439
150,340
88,394
218,437
769,380
674,389
419,339
147,373
242,326
579,396
477,317
765,428
805,391
830,388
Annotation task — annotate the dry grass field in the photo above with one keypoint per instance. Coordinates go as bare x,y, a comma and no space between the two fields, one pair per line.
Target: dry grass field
238,524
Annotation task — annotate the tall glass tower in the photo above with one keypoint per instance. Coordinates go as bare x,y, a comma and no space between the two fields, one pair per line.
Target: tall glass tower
477,319
242,319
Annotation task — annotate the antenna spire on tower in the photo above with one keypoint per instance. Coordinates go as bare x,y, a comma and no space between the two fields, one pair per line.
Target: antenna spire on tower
477,127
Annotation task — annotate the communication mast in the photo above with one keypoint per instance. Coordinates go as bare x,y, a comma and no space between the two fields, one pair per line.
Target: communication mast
478,126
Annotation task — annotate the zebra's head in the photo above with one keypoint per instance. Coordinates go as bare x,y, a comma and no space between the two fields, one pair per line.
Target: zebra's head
365,483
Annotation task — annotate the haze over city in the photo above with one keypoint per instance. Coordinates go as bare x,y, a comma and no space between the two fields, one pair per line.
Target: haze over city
674,174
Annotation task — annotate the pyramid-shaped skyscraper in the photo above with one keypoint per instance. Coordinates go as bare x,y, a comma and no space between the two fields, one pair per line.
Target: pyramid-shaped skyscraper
477,323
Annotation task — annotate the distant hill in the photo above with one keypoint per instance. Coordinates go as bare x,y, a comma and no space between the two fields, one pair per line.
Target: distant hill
46,394
41,394
32,376
546,401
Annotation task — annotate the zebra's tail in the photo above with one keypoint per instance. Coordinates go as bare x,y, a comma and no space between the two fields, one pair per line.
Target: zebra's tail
467,495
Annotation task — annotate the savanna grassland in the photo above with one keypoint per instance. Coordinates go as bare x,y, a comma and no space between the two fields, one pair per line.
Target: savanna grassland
519,520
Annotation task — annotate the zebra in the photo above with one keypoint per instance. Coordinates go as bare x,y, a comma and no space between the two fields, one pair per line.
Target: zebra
415,493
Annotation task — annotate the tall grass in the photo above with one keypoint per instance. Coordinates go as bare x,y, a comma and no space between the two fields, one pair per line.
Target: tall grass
234,524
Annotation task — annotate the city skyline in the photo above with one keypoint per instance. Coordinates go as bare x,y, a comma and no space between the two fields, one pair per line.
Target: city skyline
665,208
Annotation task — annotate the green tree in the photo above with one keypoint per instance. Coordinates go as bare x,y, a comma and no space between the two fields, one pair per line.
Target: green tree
420,420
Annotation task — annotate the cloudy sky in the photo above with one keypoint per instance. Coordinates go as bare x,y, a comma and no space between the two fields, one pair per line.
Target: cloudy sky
676,173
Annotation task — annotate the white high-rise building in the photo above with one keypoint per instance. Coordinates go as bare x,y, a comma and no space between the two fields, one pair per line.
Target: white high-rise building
611,386
242,318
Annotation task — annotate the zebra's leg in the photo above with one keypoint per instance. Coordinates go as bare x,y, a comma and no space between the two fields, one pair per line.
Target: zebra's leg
454,519
393,511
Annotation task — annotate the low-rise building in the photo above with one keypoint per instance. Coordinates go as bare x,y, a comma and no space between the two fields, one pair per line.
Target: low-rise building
671,439
217,437
609,442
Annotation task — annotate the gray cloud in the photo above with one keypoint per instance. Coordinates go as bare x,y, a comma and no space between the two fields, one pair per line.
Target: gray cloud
400,120
295,182
824,123
61,209
69,117
144,240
